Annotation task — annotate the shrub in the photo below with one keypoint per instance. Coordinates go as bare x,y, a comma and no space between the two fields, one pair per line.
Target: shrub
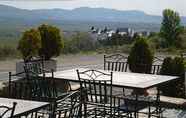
51,41
141,57
173,67
29,44
80,41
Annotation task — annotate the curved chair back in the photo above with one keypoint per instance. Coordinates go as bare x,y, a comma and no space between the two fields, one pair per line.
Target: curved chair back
69,106
116,62
97,84
36,66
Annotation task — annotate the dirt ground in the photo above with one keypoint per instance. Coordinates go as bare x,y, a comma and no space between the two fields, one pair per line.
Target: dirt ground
63,61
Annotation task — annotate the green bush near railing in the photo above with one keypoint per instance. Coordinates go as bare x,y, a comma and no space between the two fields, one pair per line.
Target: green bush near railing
175,67
140,58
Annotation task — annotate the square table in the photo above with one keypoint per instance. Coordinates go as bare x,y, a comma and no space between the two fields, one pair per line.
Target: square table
23,107
121,79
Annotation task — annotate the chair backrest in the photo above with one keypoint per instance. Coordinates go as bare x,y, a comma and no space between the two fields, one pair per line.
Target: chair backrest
42,88
17,87
116,62
31,87
156,66
97,84
69,106
36,66
7,111
153,68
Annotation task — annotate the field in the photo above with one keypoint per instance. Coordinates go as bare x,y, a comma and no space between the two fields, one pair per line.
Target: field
13,30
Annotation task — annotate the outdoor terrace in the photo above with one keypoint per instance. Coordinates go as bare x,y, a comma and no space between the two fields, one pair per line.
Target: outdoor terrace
42,95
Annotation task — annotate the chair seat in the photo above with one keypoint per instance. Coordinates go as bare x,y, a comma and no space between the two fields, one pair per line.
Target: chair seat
141,98
99,110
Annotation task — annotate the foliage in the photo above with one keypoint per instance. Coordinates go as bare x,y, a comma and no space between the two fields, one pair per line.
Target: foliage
81,41
173,67
51,43
29,44
116,40
171,27
114,49
181,42
140,57
8,51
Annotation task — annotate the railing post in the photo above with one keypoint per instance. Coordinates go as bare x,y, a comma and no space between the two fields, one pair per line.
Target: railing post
9,84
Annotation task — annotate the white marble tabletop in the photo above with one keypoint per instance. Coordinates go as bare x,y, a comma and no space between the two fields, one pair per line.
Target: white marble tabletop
120,79
23,106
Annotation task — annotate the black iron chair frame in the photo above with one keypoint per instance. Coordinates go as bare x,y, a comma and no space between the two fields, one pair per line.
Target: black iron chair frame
7,109
97,100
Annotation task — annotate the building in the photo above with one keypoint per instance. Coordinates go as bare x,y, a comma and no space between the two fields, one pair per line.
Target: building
110,32
144,33
125,31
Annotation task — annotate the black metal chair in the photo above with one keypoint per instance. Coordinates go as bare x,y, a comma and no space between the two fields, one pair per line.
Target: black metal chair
42,88
37,67
17,86
156,66
116,62
7,111
99,92
69,106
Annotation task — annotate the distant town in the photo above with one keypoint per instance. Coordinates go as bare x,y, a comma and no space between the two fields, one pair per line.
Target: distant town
104,33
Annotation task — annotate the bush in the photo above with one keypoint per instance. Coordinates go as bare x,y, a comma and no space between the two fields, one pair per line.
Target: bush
116,40
173,67
140,57
51,41
80,41
29,44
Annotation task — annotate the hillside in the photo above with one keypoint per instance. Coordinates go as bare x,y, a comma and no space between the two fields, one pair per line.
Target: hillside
14,20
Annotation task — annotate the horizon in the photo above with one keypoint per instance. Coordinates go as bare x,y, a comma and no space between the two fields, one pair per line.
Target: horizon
84,7
153,7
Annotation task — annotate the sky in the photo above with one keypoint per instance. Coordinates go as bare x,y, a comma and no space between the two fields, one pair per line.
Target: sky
154,7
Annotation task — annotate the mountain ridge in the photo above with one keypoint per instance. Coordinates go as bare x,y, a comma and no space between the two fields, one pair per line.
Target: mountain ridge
81,14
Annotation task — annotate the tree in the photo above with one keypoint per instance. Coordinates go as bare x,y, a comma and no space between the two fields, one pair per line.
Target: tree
181,43
174,67
171,27
80,41
140,57
29,44
51,41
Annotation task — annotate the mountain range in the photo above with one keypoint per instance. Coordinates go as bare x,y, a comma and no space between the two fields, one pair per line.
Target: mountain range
14,20
79,14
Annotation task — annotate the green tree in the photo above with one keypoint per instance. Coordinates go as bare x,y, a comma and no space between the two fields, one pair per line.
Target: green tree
83,41
80,41
51,41
170,28
173,67
181,43
140,57
29,44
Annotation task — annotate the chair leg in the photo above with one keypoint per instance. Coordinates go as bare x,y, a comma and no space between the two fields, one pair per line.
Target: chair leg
123,91
149,114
